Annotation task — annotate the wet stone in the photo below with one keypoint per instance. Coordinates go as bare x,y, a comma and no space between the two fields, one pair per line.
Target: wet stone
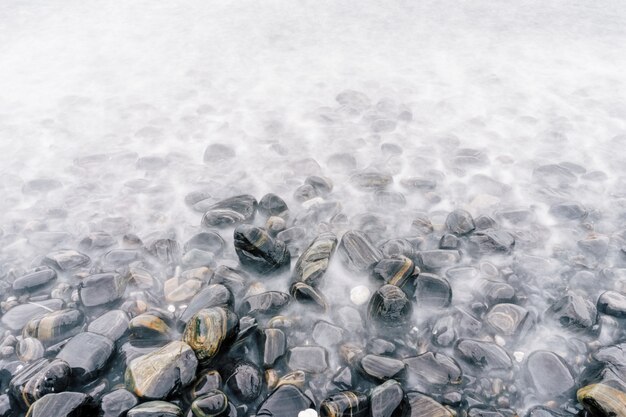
420,405
207,382
386,400
490,240
17,317
245,381
312,359
434,369
602,400
117,403
96,240
574,312
346,403
274,346
343,378
211,330
161,372
266,303
34,280
380,347
155,409
382,367
6,409
272,205
496,292
449,241
217,152
306,294
214,295
371,180
151,327
548,373
285,401
568,210
394,271
100,289
55,326
233,279
322,185
212,404
596,246
460,222
438,258
112,324
206,241
87,354
313,262
305,193
432,290
64,404
358,251
395,248
508,319
233,210
612,303
66,260
542,411
483,355
327,334
258,251
389,307
39,379
121,257
29,349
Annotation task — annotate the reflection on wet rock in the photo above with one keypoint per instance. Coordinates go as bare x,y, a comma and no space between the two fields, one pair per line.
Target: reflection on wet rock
161,372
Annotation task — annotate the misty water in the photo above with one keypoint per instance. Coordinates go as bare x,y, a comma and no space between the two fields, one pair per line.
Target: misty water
122,123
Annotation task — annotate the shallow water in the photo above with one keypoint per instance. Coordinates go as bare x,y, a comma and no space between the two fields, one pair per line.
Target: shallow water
502,111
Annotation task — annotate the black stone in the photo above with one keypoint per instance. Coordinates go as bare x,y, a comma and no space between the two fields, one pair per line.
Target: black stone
549,374
258,251
460,222
117,403
358,251
266,303
99,289
64,404
34,280
272,205
612,303
389,307
483,355
245,381
285,401
87,354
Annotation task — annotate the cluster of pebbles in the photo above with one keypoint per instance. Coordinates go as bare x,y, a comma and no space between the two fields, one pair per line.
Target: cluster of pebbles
296,304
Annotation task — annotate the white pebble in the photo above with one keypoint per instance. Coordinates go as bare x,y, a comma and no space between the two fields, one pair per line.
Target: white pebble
499,340
519,356
359,294
309,412
171,308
